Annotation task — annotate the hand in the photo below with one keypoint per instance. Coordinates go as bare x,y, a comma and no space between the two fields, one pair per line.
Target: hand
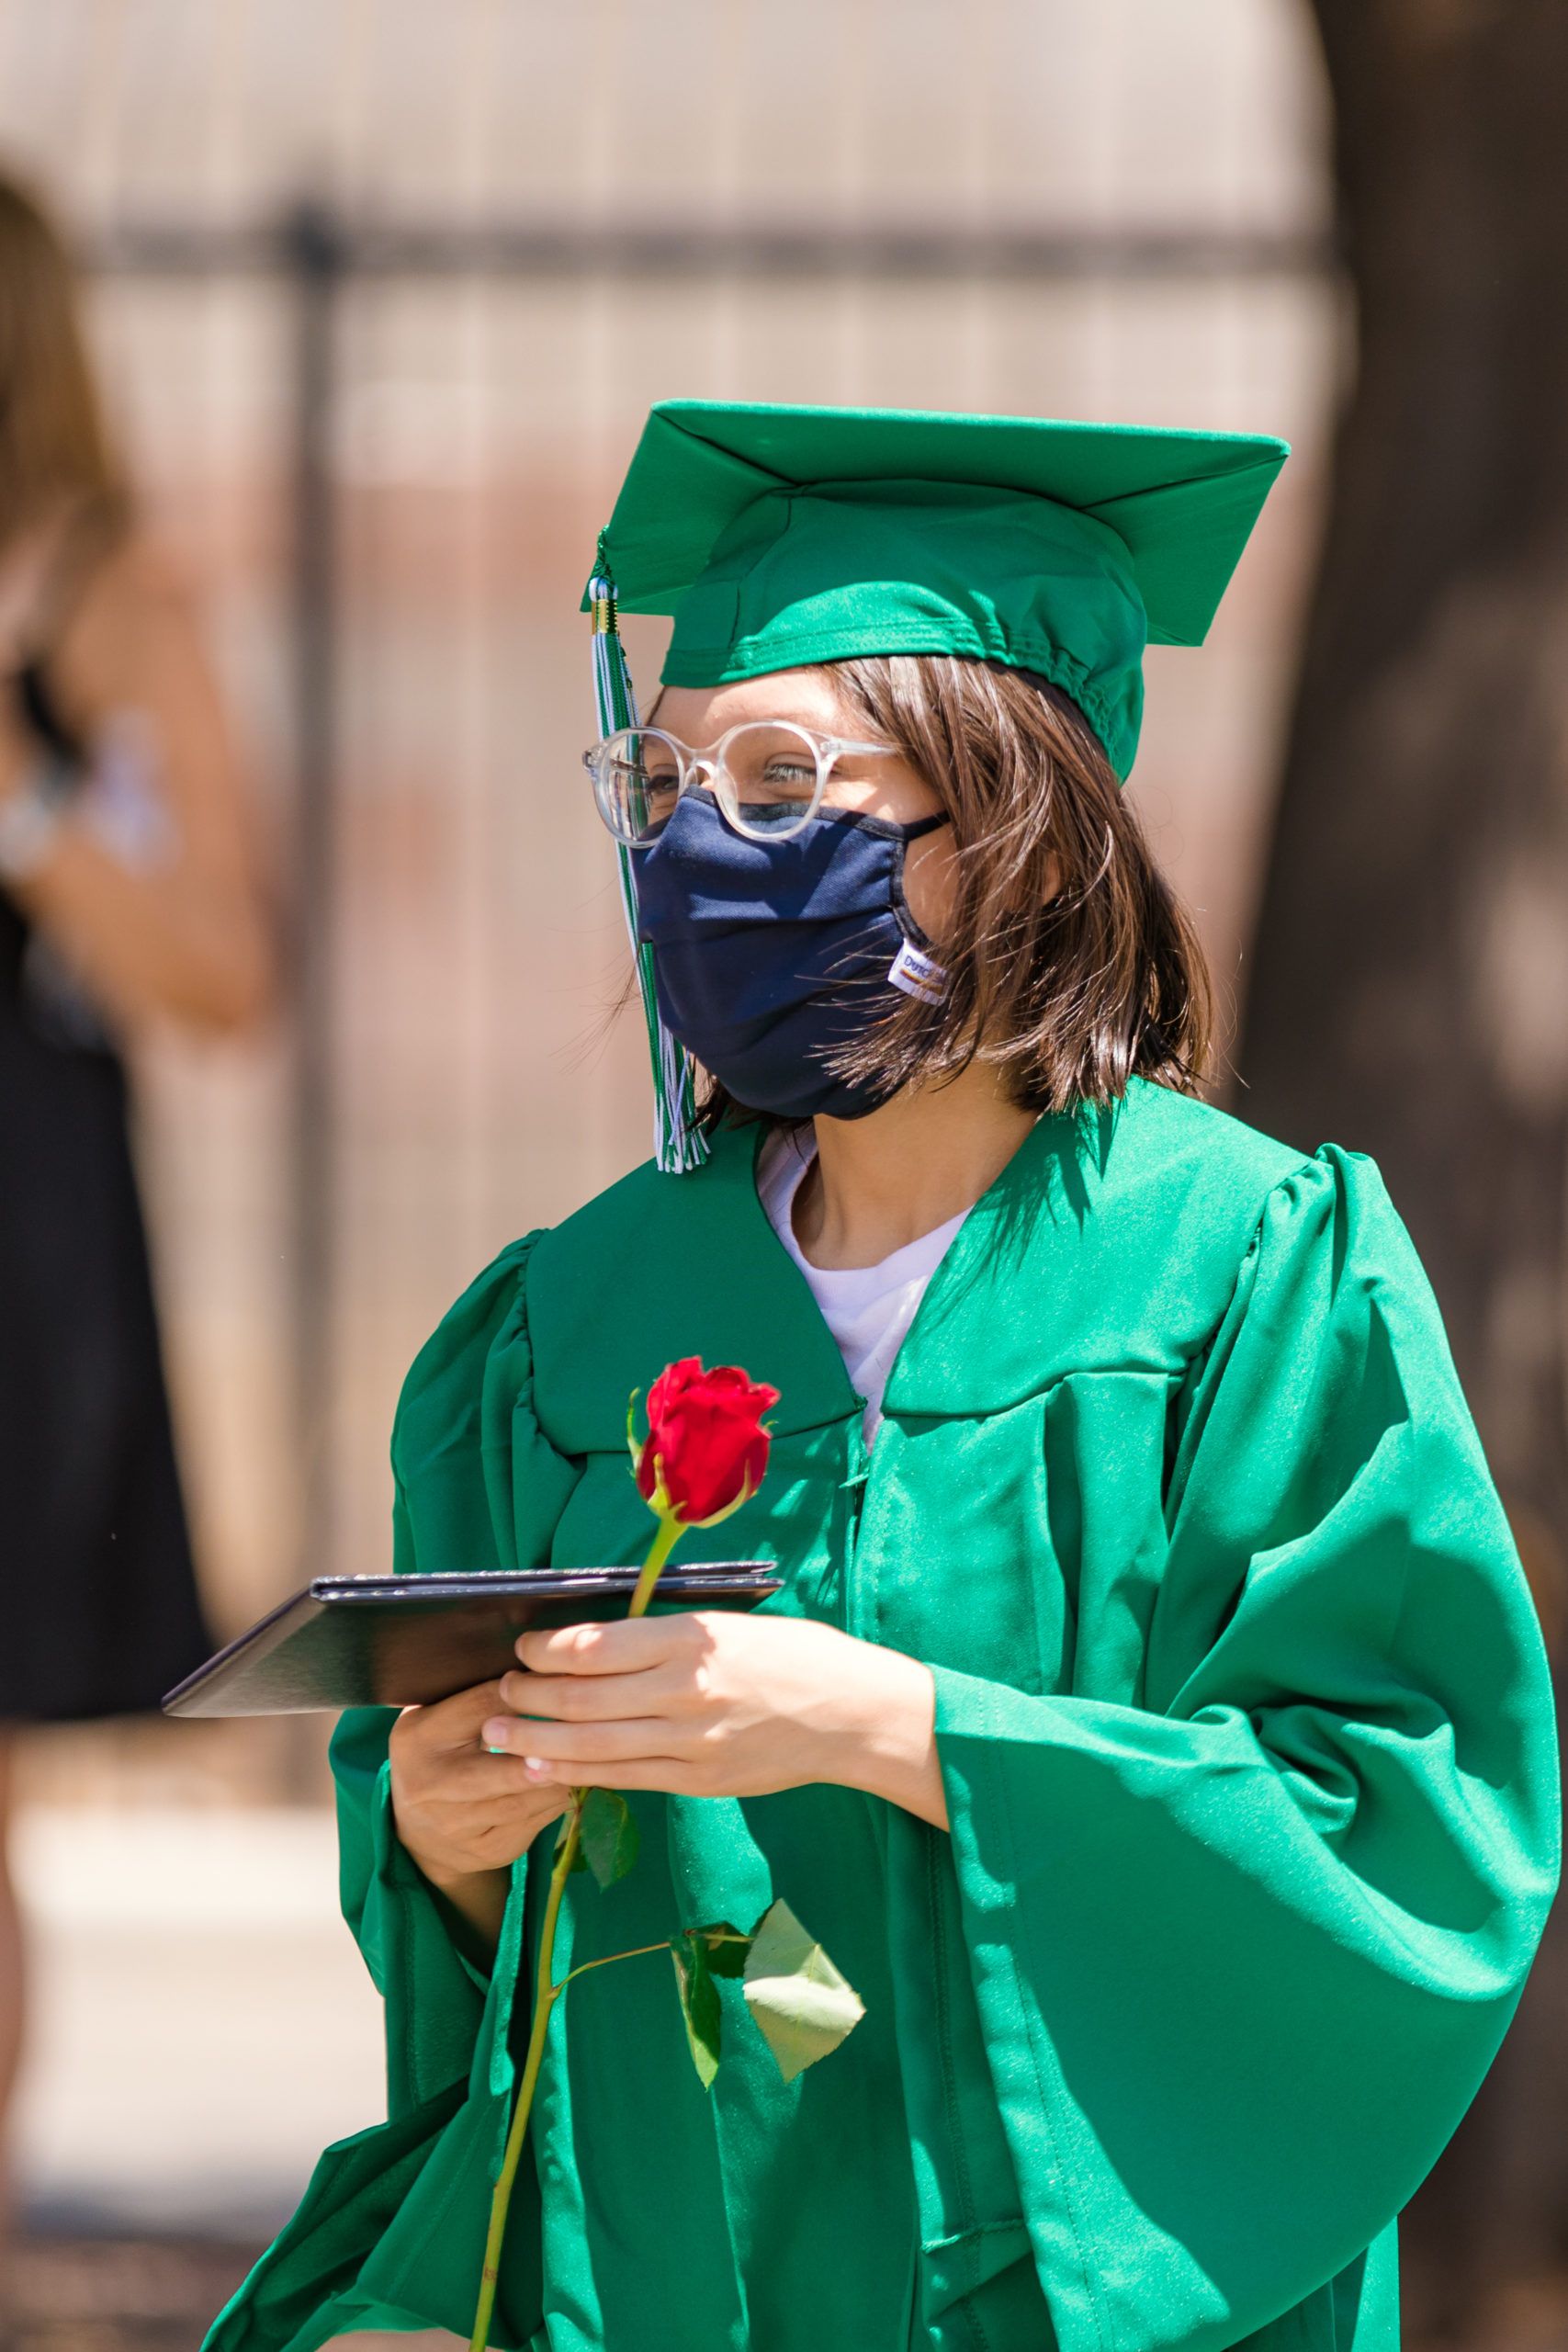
463,1816
705,1702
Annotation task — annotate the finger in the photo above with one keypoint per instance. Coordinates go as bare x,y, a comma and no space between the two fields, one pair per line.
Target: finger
625,1645
481,1776
589,1698
588,1743
671,1774
454,1722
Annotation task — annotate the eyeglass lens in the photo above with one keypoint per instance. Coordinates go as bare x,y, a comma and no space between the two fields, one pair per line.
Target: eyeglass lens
768,787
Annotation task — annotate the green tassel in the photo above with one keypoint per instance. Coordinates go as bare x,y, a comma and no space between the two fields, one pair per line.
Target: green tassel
678,1143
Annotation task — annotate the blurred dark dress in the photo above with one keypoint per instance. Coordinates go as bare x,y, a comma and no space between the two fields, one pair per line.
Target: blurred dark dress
98,1607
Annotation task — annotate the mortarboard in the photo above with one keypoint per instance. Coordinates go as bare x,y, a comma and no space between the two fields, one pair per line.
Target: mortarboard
779,536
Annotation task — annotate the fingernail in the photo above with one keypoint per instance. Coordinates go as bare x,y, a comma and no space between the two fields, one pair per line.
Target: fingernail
495,1737
536,1767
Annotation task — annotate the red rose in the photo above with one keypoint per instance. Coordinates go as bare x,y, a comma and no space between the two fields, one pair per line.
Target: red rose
706,1449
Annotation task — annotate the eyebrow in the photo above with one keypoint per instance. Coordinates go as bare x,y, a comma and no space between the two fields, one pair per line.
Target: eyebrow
791,715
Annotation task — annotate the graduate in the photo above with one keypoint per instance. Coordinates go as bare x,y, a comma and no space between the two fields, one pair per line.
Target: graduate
1153,1723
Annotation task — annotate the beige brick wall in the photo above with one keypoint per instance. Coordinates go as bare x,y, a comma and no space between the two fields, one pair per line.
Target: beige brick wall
481,430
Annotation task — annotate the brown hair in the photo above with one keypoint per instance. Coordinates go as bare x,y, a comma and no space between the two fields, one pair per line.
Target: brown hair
55,453
1071,965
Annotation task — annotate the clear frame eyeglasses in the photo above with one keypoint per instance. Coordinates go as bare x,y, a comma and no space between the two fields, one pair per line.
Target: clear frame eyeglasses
769,777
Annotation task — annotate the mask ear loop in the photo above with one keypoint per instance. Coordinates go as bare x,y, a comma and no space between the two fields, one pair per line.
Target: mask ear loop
679,1144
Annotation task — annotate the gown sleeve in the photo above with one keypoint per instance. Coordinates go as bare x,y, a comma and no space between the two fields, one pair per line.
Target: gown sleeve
1242,1953
463,1431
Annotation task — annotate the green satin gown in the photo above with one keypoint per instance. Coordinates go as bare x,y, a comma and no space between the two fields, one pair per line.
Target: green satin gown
1244,1728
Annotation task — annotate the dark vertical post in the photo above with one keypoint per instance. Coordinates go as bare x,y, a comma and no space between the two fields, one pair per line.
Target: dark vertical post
1420,863
314,253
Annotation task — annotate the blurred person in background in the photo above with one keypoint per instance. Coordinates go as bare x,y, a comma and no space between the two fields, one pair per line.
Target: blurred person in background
128,892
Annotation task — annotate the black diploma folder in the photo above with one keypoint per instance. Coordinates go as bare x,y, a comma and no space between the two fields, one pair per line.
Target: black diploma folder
409,1641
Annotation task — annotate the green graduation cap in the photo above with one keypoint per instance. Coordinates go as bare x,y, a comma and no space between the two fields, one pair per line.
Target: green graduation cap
779,537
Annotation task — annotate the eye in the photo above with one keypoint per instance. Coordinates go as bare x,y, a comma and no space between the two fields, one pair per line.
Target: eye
782,775
644,776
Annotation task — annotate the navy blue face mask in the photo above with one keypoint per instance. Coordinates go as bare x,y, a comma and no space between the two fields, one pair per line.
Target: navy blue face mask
770,956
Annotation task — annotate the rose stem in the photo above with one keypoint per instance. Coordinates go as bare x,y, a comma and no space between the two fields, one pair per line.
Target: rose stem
544,2001
545,1990
663,1545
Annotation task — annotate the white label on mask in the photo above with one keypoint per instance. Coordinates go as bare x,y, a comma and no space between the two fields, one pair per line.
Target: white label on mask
918,974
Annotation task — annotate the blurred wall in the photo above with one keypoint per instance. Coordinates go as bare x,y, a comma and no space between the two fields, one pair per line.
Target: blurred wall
481,422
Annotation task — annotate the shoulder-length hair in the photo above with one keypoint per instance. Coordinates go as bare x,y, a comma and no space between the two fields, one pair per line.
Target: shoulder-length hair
56,457
1071,965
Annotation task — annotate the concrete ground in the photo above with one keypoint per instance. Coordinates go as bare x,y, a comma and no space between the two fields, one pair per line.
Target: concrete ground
202,2026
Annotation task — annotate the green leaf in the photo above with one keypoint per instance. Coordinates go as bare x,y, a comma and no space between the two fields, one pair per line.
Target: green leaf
699,2007
803,2007
610,1838
725,1947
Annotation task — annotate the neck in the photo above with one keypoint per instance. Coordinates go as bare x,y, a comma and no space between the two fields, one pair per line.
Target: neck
881,1181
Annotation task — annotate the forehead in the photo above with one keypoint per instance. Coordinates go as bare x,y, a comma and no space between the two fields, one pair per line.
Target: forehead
699,714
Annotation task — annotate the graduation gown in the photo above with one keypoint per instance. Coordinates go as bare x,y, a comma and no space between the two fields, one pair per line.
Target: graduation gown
1244,1725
